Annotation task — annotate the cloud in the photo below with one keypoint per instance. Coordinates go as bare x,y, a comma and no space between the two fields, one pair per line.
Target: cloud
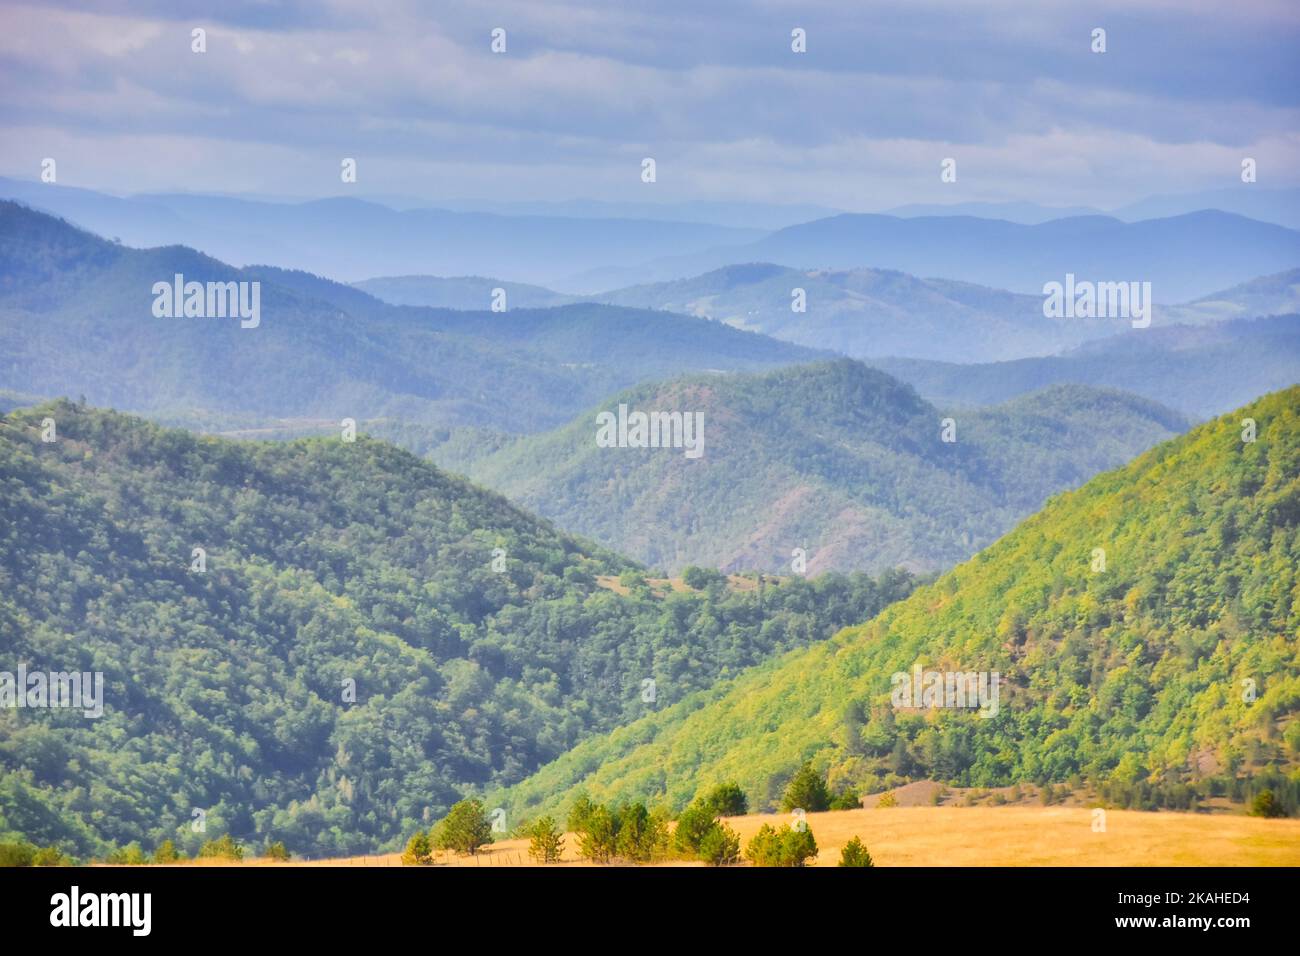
712,91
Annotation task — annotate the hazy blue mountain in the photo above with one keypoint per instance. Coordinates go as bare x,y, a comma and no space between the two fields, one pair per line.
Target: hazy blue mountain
868,313
836,458
1277,294
76,318
459,292
1183,257
1028,213
744,215
1280,206
873,313
1202,371
352,239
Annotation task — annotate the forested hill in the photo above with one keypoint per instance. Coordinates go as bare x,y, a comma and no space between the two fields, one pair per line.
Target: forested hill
326,562
837,459
1167,666
76,318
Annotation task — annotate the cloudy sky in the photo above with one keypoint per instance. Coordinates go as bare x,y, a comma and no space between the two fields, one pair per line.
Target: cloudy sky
711,90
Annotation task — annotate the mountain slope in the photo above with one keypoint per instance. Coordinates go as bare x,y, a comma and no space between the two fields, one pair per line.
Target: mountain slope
834,458
76,318
1135,677
226,688
1201,370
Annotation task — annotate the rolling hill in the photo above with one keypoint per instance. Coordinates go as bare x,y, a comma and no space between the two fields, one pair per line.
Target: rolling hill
1170,673
1200,370
364,640
835,458
76,319
868,313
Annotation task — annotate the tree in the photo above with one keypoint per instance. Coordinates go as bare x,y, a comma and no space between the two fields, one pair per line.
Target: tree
720,845
854,853
806,791
727,800
50,856
783,847
598,836
166,852
277,851
694,822
546,841
418,852
580,812
465,828
1265,805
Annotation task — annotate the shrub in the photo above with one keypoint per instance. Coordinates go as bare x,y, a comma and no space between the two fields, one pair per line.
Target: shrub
807,791
166,852
846,799
889,800
464,829
50,856
546,841
17,854
720,845
417,852
783,847
854,853
1266,805
277,851
224,848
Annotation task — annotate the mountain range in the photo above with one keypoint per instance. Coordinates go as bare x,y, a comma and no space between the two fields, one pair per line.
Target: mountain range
76,318
1182,256
1202,370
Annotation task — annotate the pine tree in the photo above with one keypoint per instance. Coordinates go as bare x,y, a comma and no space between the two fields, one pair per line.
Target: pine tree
854,853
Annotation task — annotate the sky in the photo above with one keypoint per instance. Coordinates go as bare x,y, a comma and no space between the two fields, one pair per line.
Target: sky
711,90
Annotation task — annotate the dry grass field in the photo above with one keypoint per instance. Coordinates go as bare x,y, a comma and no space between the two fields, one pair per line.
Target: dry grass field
982,836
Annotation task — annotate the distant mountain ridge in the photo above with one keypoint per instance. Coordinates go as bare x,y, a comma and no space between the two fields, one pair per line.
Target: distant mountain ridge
1182,256
76,318
1201,370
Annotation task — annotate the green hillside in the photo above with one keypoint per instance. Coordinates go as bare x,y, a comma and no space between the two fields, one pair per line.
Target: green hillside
326,562
1133,678
835,458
